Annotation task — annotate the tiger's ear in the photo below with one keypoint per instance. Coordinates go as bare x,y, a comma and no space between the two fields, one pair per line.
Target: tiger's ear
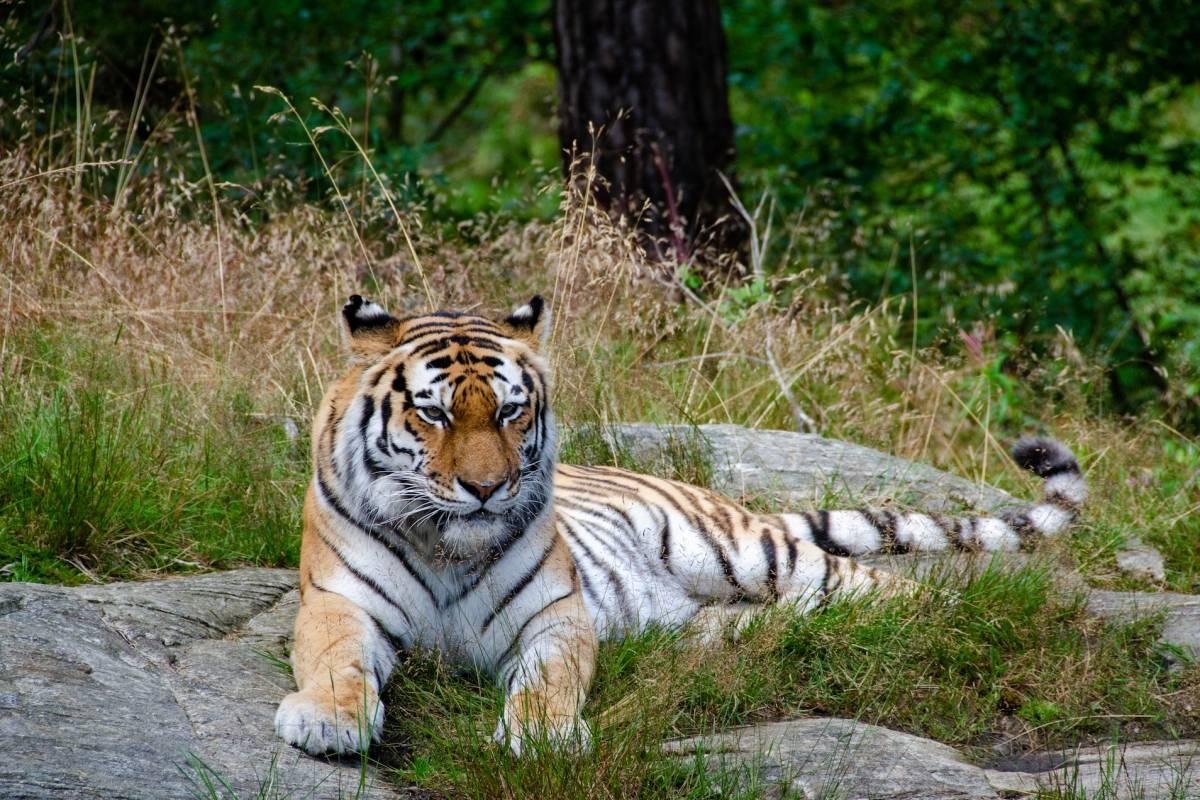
529,323
370,330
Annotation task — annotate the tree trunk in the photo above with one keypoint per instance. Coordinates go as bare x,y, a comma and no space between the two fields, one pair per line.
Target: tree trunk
642,88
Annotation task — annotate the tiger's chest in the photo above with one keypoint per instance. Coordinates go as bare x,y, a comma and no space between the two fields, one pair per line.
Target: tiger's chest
616,544
470,613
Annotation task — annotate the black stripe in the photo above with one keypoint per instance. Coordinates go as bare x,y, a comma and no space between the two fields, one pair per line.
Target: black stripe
791,547
512,646
365,579
599,495
494,556
664,549
885,522
1062,469
614,579
424,329
368,411
631,549
379,626
818,523
375,533
516,589
825,582
385,414
768,546
477,342
701,531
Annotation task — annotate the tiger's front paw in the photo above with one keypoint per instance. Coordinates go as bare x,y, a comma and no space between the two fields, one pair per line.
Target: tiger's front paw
314,722
572,736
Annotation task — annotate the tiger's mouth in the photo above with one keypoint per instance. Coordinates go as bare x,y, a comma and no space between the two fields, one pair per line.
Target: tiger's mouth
480,515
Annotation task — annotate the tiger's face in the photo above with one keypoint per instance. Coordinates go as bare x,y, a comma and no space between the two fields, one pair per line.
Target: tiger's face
446,436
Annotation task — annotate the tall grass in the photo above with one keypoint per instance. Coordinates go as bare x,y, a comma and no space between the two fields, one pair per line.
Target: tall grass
111,470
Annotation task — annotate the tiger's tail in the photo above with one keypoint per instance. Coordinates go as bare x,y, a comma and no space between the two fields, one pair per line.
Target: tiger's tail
857,532
1063,493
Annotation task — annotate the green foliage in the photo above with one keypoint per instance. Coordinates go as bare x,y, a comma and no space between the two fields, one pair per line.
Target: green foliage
113,471
949,667
1030,161
454,103
1035,160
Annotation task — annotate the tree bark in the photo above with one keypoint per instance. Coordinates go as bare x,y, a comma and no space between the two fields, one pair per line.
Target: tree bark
642,88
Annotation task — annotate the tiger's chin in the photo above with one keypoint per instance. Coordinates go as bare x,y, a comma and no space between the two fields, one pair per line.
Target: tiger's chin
468,536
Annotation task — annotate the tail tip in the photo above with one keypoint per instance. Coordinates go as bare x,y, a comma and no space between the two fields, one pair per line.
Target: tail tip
1044,457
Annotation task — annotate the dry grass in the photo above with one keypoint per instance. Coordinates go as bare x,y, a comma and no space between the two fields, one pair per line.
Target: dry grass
252,302
215,307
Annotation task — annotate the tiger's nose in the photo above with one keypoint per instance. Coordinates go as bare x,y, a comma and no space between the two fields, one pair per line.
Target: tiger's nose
480,490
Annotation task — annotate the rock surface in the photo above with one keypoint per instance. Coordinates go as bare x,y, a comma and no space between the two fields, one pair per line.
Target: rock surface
137,690
1181,624
1140,560
806,469
818,758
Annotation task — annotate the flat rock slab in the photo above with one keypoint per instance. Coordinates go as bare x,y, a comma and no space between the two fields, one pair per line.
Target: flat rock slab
154,689
1138,771
806,469
819,758
1181,613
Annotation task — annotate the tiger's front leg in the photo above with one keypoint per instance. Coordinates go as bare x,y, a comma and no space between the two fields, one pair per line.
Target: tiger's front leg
545,674
340,660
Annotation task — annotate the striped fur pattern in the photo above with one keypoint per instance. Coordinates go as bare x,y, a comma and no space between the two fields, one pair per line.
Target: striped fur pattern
438,518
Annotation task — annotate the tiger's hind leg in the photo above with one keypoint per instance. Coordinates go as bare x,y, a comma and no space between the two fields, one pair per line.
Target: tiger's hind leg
762,563
820,577
816,578
340,659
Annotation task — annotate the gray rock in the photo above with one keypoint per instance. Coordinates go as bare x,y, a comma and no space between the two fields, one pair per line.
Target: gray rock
806,469
823,758
1138,771
1140,560
154,690
820,758
1181,626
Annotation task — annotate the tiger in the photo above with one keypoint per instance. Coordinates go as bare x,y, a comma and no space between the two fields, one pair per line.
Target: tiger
439,518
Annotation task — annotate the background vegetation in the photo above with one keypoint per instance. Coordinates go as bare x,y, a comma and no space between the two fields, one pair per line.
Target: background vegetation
1023,165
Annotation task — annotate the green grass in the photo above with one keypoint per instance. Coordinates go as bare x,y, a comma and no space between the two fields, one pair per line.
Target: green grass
438,737
1001,651
111,469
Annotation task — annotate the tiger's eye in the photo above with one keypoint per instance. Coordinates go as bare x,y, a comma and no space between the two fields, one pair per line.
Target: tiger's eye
432,414
509,410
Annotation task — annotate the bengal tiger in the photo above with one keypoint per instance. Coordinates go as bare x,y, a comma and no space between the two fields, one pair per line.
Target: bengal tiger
437,517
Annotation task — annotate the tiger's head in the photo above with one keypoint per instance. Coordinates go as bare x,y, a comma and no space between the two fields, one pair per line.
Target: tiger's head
441,433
